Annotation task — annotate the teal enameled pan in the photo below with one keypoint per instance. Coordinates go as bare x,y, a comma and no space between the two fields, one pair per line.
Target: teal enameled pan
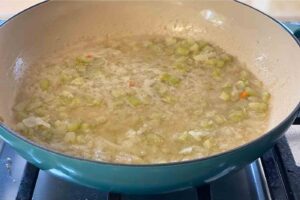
270,51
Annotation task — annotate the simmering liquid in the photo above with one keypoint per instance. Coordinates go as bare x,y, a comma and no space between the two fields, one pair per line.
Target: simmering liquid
148,99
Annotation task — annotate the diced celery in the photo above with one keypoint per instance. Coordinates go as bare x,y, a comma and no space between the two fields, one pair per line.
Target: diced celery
207,143
258,83
225,96
207,124
21,115
186,150
227,86
81,61
253,99
85,127
78,81
236,115
220,119
184,43
266,96
65,78
134,101
198,57
73,126
194,47
181,60
80,139
182,67
90,101
40,111
73,102
32,122
197,135
63,115
170,41
182,51
241,84
81,68
208,48
170,79
161,89
183,136
70,137
57,131
44,84
20,106
226,57
156,48
168,98
210,113
118,102
219,63
258,106
101,120
215,62
201,44
20,127
210,62
95,102
250,91
190,41
235,94
117,92
34,105
147,43
154,138
198,112
66,97
46,135
244,75
216,73
59,124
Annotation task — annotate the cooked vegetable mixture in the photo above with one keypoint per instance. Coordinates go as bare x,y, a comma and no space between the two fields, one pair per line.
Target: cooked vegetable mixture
150,99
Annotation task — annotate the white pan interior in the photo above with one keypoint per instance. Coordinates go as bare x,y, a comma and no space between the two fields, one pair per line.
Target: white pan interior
268,50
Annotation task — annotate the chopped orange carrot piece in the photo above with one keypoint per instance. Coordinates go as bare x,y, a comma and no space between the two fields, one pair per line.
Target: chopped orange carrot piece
131,83
244,95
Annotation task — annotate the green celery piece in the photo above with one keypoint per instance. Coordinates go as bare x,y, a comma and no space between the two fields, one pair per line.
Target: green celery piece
170,80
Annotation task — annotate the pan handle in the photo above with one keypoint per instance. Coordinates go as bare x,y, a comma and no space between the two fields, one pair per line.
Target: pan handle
293,27
1,22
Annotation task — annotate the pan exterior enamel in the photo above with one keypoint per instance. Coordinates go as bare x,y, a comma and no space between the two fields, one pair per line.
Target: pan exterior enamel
32,33
143,179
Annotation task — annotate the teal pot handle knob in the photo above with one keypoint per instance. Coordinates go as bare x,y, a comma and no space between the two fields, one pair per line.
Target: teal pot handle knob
293,27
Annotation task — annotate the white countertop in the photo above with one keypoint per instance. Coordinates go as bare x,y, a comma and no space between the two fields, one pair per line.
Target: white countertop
285,10
9,8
